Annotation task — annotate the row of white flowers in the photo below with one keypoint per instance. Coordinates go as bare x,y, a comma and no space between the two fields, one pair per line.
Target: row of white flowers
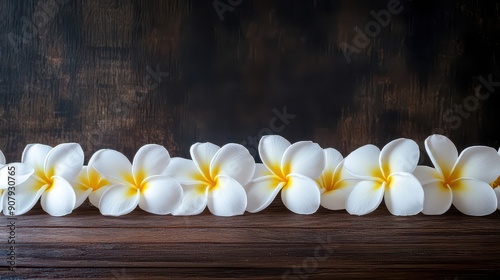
229,182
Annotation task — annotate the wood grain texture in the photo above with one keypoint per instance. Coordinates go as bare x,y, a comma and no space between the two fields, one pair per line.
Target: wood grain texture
120,74
266,245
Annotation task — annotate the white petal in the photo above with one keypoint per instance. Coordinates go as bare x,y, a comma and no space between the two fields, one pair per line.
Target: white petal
150,160
333,200
194,200
400,155
261,171
363,163
365,197
261,192
233,160
34,155
95,196
336,198
160,195
473,197
59,199
119,200
64,160
442,153
497,193
271,151
341,173
332,158
202,154
22,173
184,171
437,198
301,194
305,158
113,165
81,194
404,196
479,162
26,196
427,175
2,158
90,176
227,198
83,177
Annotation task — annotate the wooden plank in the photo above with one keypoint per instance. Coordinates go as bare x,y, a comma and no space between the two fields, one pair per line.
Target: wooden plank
161,235
468,242
347,255
246,273
393,245
276,216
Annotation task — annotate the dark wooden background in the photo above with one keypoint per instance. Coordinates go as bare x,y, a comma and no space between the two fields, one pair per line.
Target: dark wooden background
120,74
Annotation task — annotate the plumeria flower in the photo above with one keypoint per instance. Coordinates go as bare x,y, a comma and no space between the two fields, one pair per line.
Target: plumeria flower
496,187
459,180
335,182
138,183
89,183
289,168
385,174
11,175
215,178
53,168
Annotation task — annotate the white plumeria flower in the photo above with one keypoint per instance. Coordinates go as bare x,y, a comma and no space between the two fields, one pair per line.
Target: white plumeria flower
89,183
385,174
459,180
53,168
335,182
289,168
215,177
496,187
140,183
11,175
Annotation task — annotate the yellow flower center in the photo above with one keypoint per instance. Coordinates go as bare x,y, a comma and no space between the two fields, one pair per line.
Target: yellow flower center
381,176
212,185
285,181
281,173
134,182
328,181
210,182
43,178
450,179
95,180
447,181
205,177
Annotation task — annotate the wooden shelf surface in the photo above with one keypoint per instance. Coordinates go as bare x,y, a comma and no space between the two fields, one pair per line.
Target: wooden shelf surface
273,244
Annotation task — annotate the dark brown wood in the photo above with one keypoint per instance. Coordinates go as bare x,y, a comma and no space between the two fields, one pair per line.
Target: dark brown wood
265,245
120,74
260,273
